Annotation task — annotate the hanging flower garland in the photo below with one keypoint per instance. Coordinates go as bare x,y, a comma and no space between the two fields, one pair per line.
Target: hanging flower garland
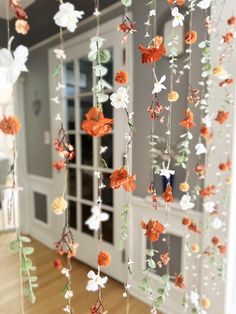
21,25
67,17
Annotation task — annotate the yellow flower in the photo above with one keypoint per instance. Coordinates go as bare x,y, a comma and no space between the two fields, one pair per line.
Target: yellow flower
218,70
184,187
206,303
59,205
173,96
195,248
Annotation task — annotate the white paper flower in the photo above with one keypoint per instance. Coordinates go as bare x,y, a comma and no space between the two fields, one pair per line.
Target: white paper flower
97,217
67,309
68,294
207,120
95,281
185,202
166,173
209,207
178,17
217,223
60,54
204,4
152,13
66,272
194,298
158,86
200,149
120,99
67,16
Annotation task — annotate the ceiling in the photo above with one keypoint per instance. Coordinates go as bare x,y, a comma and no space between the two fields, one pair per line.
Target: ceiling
4,3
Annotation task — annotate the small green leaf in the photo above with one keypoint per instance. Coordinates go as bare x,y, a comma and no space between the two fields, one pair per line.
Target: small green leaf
14,246
25,239
33,278
104,55
126,3
28,250
151,263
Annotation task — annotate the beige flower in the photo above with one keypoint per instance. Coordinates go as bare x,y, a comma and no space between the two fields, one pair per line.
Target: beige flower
173,96
59,205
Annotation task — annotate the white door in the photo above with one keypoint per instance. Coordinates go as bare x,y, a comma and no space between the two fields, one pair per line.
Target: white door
82,192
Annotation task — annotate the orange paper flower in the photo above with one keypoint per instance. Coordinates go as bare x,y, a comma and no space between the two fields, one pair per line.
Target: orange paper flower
210,190
222,116
153,52
226,82
200,170
205,132
122,77
215,241
228,38
224,166
167,195
222,249
104,259
190,37
179,281
120,177
10,125
58,165
188,120
95,123
57,264
178,2
194,227
232,20
153,229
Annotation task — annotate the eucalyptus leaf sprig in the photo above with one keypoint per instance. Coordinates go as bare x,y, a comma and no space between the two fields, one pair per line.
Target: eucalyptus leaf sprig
29,281
162,293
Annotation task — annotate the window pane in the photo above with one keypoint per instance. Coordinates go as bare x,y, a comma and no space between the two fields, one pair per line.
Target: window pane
70,113
72,214
107,141
107,192
72,181
86,150
72,141
85,104
69,79
175,249
85,214
85,75
108,109
40,207
107,228
87,184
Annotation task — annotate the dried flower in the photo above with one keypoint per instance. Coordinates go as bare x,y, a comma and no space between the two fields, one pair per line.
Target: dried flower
57,264
222,116
228,37
165,258
190,37
218,70
121,77
215,241
59,205
232,20
22,27
153,229
173,96
200,170
195,248
120,177
154,51
179,281
226,82
10,125
168,195
194,227
205,132
95,123
104,259
222,249
178,2
224,166
188,122
186,221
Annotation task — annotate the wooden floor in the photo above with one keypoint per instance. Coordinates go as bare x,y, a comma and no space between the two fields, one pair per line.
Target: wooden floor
49,300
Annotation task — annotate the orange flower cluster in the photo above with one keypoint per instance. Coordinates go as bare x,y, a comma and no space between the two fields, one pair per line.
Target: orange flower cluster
168,195
10,125
122,77
179,281
208,191
192,226
200,170
228,37
224,166
153,229
217,242
104,259
21,25
226,82
190,37
205,132
188,120
154,51
59,165
95,123
178,2
57,264
222,116
120,177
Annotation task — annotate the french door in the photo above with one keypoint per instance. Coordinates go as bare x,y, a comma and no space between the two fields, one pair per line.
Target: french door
82,190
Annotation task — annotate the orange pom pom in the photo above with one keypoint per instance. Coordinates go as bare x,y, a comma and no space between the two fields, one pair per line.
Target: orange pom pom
122,77
10,125
104,259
